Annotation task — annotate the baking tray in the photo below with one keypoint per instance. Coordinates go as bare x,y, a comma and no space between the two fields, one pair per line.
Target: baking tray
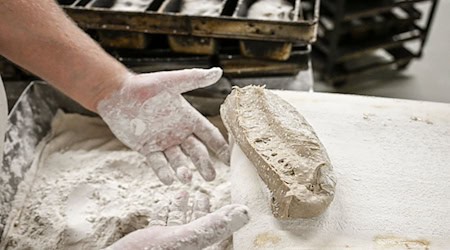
263,49
117,38
122,39
191,44
153,22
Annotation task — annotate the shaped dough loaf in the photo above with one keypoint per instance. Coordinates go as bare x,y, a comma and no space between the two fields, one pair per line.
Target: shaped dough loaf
285,150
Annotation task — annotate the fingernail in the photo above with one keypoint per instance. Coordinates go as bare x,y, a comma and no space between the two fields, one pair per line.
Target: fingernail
209,174
184,174
165,176
224,155
214,73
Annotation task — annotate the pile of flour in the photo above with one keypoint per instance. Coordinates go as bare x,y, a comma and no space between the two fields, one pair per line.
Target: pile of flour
89,190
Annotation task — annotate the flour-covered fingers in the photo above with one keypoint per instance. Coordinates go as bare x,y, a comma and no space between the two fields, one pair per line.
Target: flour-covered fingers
212,138
200,206
159,214
177,209
222,245
215,226
200,157
181,81
159,164
203,232
179,163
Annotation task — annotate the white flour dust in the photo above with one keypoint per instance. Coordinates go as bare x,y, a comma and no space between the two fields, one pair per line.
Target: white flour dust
90,190
271,10
131,5
201,8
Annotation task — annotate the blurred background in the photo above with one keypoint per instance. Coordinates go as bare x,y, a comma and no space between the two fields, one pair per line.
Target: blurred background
426,78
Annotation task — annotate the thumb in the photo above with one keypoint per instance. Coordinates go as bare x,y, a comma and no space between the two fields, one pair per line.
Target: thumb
198,234
181,81
214,227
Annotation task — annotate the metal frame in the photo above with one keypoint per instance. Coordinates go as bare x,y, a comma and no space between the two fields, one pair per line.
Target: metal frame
333,55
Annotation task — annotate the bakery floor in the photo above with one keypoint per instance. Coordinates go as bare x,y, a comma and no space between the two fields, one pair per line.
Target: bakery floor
425,79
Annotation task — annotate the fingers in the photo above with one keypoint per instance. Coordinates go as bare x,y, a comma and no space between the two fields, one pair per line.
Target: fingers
170,213
180,81
211,136
198,234
200,157
159,164
179,162
160,213
233,217
177,209
215,226
201,205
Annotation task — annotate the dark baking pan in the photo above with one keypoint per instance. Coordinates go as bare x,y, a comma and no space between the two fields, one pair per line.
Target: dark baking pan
121,39
263,49
189,44
231,27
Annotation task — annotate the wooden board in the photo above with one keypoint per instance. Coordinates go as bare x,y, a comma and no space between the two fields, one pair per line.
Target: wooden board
392,160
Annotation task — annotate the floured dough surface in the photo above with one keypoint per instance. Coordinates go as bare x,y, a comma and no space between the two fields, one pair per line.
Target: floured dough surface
286,151
90,190
270,10
393,187
201,7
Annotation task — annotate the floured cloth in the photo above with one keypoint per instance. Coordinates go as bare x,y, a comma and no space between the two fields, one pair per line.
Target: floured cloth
86,190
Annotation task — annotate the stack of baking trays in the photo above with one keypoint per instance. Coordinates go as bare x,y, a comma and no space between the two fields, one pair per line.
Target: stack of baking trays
355,37
154,35
150,35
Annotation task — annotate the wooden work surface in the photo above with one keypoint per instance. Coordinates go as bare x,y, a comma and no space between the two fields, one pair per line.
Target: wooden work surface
392,159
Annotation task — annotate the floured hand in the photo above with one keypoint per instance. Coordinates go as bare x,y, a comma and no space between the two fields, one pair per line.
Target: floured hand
149,115
167,228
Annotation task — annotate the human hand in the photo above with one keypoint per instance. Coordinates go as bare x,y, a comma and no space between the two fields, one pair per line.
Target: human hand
167,228
149,115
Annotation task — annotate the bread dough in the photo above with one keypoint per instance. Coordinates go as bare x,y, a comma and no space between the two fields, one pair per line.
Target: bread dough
393,187
201,7
271,10
90,190
284,148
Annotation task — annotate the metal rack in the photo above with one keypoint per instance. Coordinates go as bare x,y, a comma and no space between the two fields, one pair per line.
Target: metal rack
350,31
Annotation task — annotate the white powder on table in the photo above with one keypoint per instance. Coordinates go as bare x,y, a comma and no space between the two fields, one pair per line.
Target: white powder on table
90,190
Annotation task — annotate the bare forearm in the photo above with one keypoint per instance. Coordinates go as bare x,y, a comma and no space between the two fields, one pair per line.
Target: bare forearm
38,36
